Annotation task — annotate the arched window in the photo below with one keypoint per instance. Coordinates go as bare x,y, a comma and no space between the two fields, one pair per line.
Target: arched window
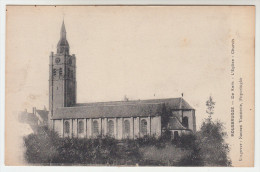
95,128
143,127
126,128
175,135
111,127
185,121
81,127
67,127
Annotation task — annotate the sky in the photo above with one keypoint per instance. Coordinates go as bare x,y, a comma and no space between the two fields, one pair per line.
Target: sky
141,52
144,54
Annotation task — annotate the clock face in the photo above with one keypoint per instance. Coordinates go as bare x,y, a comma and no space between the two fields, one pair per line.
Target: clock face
57,60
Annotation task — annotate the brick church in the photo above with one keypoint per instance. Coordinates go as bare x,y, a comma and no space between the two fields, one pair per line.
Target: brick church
118,119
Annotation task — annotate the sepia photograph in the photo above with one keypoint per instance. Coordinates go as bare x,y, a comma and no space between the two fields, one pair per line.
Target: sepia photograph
130,86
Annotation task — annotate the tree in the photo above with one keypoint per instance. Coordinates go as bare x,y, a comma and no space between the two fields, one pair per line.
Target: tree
213,148
126,98
210,107
211,140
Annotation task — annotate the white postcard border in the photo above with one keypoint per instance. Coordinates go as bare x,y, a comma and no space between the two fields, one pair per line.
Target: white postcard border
3,3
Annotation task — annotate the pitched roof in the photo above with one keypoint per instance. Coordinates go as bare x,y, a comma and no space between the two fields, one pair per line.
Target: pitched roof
129,110
29,118
174,103
43,114
134,108
175,124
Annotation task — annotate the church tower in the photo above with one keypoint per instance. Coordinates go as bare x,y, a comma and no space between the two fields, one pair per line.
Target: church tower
62,75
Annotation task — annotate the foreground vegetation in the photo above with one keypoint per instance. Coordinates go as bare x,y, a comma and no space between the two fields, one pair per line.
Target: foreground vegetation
204,148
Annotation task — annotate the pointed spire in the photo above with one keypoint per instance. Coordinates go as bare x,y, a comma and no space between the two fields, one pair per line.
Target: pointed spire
63,45
63,31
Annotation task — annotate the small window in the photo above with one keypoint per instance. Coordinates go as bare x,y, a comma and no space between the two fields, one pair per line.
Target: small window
67,127
68,72
95,128
185,121
176,135
71,74
54,72
81,127
60,71
111,127
143,127
70,61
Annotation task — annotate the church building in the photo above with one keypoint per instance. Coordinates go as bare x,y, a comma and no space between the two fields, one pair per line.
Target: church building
119,119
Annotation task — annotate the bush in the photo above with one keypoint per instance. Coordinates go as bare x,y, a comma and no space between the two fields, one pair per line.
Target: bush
46,147
148,141
168,156
193,159
41,147
186,141
206,147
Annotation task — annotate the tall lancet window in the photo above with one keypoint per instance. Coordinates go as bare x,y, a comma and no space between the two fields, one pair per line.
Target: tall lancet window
143,127
126,128
185,121
67,127
111,128
95,128
71,74
81,127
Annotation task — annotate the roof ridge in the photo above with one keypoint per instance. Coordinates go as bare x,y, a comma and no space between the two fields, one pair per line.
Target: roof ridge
41,110
187,103
110,105
138,100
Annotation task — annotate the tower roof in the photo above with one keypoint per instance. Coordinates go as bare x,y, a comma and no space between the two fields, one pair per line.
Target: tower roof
63,40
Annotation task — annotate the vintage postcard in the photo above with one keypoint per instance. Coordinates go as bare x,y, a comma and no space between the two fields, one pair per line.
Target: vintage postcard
130,85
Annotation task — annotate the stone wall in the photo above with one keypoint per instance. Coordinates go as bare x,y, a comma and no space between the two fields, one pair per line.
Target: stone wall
117,127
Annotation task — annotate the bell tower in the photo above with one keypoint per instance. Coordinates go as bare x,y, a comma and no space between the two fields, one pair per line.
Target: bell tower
62,75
